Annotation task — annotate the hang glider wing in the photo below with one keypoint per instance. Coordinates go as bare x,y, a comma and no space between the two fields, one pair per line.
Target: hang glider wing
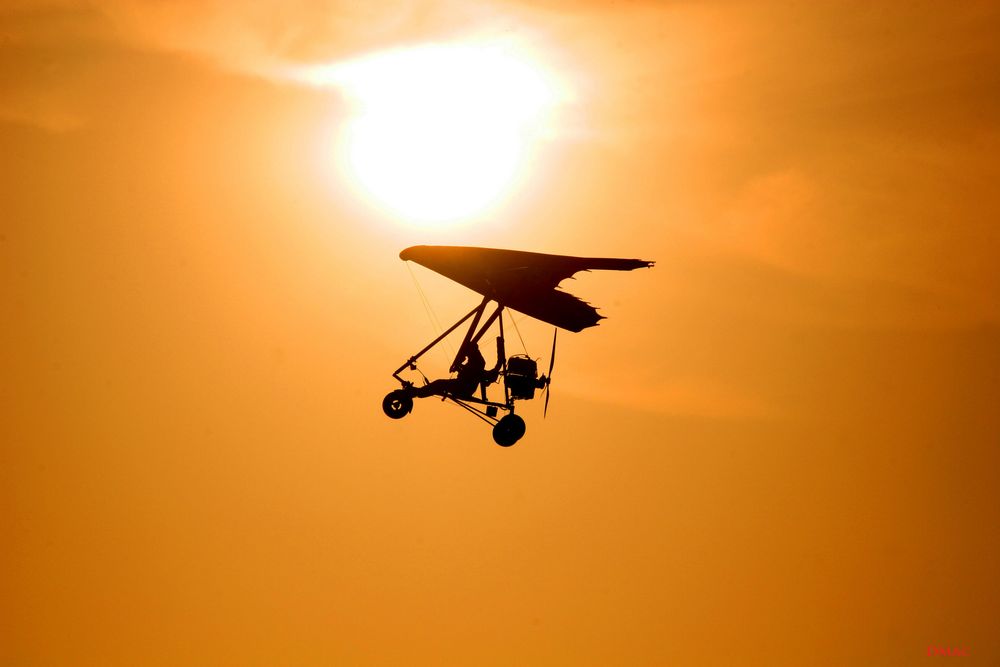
525,281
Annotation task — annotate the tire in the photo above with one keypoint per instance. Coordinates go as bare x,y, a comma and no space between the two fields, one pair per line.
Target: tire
397,404
508,430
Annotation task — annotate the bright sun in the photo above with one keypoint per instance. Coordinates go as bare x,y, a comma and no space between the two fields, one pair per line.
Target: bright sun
442,132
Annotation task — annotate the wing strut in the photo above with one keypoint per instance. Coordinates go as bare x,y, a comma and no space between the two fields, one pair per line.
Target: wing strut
471,336
411,362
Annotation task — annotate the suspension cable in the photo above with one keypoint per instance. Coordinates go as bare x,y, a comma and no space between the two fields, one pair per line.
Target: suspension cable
523,346
429,310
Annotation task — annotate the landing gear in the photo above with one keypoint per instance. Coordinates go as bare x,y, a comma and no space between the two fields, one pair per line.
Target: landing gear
508,430
397,404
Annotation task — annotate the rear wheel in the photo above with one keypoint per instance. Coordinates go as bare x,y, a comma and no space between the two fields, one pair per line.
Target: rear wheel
508,430
397,404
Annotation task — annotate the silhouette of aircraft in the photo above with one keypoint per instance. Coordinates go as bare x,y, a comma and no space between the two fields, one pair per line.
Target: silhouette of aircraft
527,282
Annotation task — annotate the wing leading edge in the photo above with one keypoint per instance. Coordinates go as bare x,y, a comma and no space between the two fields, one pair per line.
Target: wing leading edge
524,281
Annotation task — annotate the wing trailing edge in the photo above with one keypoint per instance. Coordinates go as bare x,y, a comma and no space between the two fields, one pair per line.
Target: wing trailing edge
524,281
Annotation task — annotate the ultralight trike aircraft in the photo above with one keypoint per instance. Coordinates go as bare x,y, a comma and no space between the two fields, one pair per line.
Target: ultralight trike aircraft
523,281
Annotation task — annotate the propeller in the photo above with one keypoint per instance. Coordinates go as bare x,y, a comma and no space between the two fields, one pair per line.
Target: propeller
548,378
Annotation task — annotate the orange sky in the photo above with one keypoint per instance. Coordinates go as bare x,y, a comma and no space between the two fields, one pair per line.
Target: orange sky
780,449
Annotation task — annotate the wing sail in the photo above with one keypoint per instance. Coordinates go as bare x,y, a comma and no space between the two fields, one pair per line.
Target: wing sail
524,281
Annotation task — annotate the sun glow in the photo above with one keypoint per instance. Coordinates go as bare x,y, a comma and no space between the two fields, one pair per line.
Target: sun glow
442,132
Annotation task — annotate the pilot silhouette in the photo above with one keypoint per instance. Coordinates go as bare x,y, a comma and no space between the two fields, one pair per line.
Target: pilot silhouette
471,372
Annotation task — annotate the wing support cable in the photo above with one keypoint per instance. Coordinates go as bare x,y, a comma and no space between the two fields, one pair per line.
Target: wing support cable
523,346
432,317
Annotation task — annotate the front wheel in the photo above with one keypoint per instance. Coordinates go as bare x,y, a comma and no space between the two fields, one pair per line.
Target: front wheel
397,404
508,430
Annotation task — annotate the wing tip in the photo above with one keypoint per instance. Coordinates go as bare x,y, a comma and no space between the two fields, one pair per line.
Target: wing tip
406,254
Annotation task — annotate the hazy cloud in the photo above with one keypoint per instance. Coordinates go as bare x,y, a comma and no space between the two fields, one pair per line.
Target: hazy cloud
261,38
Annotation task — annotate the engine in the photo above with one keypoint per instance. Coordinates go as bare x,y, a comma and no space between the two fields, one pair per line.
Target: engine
522,377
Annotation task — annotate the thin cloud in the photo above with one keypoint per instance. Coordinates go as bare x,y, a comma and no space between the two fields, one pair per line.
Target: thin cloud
264,37
48,47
